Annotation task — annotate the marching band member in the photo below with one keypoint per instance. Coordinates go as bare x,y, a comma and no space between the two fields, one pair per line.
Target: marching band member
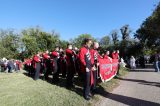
63,63
70,57
55,64
106,56
46,61
94,59
114,55
37,66
86,66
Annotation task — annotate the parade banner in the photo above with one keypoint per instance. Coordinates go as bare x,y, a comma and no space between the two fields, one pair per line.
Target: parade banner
115,65
108,69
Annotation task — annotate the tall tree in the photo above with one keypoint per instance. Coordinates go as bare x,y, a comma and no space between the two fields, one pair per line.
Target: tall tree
125,31
105,42
35,39
78,42
9,43
149,33
115,40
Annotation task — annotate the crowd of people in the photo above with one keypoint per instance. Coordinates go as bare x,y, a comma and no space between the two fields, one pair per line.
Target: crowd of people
10,66
141,61
83,61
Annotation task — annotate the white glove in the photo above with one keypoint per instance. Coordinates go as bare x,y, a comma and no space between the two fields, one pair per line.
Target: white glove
87,70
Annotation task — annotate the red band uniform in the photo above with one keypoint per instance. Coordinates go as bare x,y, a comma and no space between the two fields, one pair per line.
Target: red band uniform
37,66
70,57
86,66
46,60
55,65
94,59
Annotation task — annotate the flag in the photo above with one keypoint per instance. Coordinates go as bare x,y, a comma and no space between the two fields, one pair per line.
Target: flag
108,69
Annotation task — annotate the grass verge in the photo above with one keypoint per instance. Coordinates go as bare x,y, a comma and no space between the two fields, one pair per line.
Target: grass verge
17,89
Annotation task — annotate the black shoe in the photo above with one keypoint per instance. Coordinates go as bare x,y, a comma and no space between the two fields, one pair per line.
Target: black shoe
46,77
70,86
63,76
87,98
55,81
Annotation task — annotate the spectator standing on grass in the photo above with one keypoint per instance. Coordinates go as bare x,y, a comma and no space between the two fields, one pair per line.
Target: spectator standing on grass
10,66
1,63
17,65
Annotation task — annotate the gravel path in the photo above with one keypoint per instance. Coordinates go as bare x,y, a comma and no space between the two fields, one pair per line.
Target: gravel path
138,88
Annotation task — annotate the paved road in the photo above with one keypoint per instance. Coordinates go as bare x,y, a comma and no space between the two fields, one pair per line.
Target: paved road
138,88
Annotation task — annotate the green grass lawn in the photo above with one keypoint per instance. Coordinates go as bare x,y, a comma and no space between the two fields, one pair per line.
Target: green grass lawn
17,89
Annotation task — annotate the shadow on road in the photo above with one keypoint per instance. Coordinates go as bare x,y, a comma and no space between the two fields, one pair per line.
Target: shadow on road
142,70
141,82
125,99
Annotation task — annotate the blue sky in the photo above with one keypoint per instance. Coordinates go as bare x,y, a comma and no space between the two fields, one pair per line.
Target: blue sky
71,18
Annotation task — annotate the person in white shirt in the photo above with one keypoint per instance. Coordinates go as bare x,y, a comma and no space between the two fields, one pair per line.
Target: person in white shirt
132,62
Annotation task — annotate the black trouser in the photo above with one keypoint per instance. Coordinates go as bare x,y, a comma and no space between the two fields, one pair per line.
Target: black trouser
64,69
37,71
45,77
56,70
46,70
28,68
32,70
86,89
64,72
9,68
118,69
70,75
95,80
2,68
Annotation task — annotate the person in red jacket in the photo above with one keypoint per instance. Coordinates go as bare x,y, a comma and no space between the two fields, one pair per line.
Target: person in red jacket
94,59
86,66
114,54
77,62
117,54
63,63
46,62
106,56
117,57
37,66
55,56
70,57
28,66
